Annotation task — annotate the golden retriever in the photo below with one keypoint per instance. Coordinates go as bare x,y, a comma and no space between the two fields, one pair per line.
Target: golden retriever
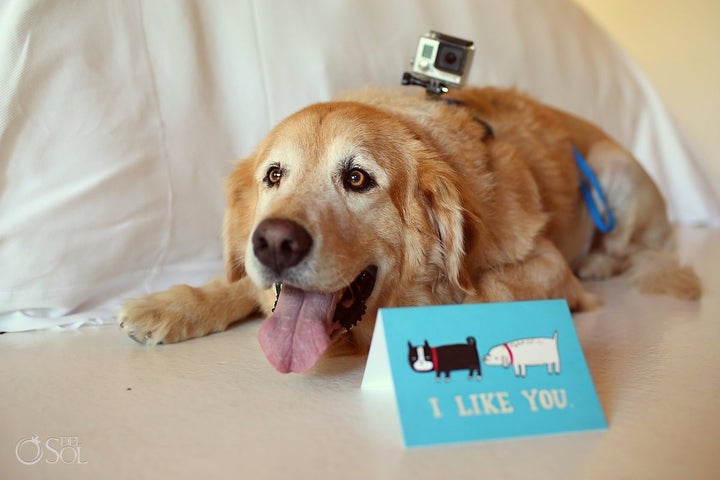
390,198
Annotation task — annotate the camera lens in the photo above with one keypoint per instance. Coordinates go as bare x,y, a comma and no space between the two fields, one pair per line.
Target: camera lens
450,59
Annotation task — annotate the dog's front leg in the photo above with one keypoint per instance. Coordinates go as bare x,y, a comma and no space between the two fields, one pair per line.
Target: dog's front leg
183,312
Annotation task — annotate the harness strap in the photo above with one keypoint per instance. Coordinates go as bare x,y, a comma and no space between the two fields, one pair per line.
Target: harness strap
594,196
488,134
602,215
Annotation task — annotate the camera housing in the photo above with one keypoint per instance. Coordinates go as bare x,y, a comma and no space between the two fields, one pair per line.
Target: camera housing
443,59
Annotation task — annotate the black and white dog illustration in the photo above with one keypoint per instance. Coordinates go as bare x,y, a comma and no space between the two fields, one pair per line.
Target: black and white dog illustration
445,358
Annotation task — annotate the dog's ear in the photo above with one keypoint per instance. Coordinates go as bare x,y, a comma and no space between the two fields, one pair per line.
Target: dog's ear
241,195
439,186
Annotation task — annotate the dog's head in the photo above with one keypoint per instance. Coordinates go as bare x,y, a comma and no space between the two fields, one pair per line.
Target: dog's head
497,356
420,357
347,207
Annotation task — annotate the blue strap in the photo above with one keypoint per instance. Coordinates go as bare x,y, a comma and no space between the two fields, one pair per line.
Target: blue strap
592,192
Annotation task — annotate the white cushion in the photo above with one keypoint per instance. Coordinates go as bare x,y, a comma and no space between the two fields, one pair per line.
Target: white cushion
119,120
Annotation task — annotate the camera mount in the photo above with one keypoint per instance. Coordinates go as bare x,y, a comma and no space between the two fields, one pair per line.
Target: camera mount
433,88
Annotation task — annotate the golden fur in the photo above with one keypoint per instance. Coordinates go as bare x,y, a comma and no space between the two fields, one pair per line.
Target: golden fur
458,215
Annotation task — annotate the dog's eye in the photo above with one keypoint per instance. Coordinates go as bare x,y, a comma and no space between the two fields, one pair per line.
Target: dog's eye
273,176
358,180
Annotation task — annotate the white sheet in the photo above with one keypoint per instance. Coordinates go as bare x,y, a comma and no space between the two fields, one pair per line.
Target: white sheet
118,121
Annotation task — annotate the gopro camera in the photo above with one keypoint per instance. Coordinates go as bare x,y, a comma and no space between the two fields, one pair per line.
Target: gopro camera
440,62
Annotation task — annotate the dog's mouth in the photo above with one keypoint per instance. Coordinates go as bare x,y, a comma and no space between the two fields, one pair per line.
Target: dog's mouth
299,331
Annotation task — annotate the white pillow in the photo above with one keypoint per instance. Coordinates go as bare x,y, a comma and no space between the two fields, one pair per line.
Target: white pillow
119,120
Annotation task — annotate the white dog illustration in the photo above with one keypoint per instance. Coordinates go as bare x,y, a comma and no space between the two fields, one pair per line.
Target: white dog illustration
526,351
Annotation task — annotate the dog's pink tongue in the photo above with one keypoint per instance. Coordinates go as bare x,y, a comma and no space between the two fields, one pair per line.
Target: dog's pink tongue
298,332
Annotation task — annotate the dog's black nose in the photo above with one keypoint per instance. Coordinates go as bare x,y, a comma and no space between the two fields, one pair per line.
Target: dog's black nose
280,244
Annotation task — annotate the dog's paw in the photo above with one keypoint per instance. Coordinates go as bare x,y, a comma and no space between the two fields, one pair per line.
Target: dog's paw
165,317
598,266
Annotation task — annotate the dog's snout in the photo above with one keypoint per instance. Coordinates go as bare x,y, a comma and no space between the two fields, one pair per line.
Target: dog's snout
280,244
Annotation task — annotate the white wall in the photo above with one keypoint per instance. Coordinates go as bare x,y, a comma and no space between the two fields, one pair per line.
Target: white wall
677,45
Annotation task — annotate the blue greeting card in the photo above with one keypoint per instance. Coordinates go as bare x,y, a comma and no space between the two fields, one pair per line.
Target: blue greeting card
463,373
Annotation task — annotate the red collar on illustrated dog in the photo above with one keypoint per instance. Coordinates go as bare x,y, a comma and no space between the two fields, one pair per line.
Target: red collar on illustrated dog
509,350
